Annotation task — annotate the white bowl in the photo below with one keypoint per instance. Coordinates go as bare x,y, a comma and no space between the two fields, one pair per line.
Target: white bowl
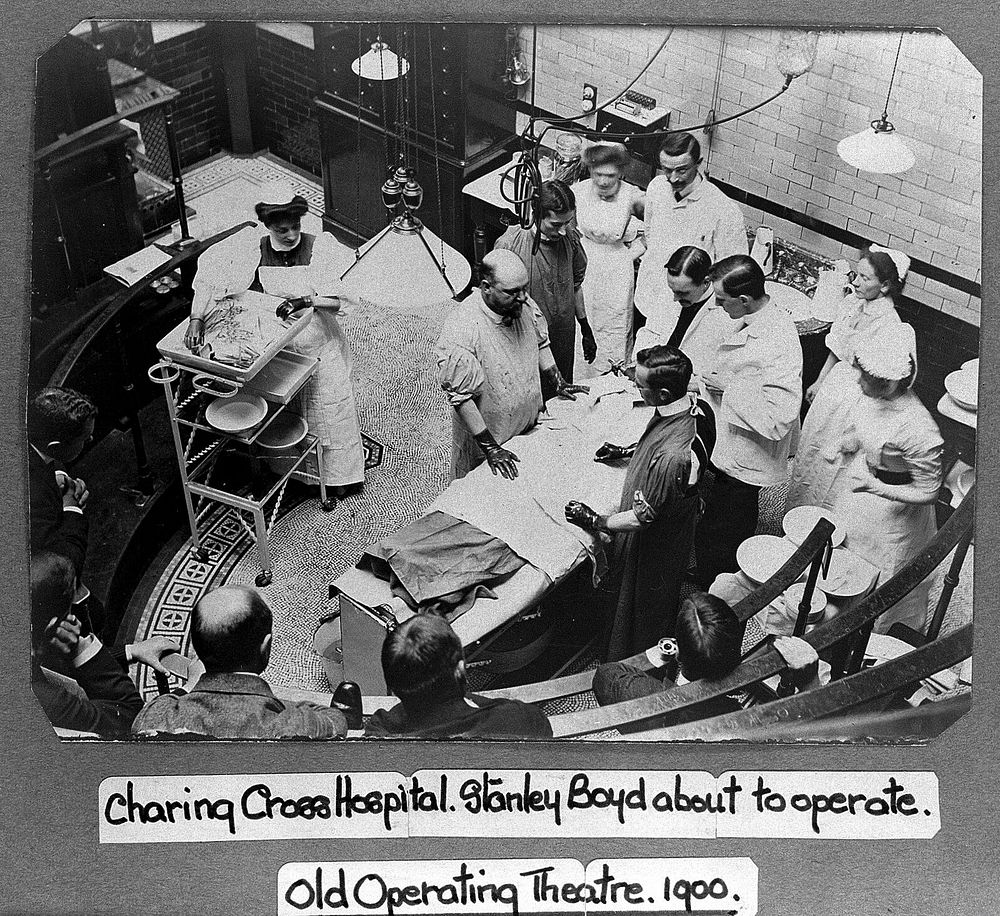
797,305
284,431
965,481
971,365
762,555
236,414
793,598
847,577
963,386
800,521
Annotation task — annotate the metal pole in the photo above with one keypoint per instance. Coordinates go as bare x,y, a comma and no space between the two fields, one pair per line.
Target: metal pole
166,375
145,482
61,238
178,182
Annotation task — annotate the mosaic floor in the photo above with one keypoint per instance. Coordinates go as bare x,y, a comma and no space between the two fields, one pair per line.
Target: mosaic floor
407,429
401,411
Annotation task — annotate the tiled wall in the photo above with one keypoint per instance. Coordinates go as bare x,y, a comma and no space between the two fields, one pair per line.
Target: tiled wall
287,90
786,152
184,61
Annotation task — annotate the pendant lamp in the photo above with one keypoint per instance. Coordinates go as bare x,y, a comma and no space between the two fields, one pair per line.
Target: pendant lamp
406,266
878,148
380,63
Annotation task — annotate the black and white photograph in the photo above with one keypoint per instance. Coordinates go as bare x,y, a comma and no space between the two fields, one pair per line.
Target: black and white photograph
482,380
498,460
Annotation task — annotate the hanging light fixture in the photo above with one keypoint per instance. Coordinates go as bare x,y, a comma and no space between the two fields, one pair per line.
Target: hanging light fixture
878,148
405,265
380,63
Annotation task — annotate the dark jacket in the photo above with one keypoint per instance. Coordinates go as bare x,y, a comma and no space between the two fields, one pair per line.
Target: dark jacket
112,701
237,705
489,718
64,533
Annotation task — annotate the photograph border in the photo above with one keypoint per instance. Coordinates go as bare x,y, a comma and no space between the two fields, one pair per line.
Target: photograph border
50,818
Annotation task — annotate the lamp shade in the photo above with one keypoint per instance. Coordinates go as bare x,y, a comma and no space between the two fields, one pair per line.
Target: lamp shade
380,63
876,149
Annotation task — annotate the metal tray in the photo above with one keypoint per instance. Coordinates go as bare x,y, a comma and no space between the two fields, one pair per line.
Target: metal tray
280,380
172,345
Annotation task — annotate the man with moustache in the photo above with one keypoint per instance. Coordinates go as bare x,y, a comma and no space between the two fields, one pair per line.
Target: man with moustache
492,355
682,208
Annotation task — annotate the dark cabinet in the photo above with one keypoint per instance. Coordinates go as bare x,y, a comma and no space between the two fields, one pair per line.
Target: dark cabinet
86,196
86,212
447,118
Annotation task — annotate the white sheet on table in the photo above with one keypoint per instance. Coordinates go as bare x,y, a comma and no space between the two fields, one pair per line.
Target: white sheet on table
556,465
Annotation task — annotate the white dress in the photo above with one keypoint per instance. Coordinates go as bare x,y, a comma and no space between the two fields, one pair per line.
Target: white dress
610,279
895,436
326,401
820,468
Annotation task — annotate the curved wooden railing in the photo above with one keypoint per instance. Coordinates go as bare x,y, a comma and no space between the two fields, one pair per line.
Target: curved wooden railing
97,323
857,692
655,711
753,603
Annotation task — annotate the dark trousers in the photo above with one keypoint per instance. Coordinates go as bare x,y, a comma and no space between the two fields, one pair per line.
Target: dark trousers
730,517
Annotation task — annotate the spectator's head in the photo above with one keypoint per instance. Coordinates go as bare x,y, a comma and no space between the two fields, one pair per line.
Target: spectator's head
688,275
61,423
662,374
423,662
504,283
709,637
231,630
556,208
53,582
739,285
680,156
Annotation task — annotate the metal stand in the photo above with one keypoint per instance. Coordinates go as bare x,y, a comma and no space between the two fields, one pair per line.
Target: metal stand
409,224
177,179
199,454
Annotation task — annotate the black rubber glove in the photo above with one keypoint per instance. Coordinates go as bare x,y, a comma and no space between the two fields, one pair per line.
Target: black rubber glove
563,389
584,517
286,308
587,338
609,452
498,458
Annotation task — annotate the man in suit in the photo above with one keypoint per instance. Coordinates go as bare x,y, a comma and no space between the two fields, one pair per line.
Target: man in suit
231,634
424,665
60,424
77,681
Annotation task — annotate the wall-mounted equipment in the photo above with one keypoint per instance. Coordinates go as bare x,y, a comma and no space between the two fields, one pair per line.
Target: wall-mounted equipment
516,73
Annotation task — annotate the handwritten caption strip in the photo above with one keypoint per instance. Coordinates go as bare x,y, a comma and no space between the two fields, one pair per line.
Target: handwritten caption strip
519,803
512,886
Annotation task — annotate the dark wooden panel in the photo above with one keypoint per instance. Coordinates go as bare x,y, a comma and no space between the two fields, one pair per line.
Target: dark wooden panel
355,166
72,90
94,189
452,95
